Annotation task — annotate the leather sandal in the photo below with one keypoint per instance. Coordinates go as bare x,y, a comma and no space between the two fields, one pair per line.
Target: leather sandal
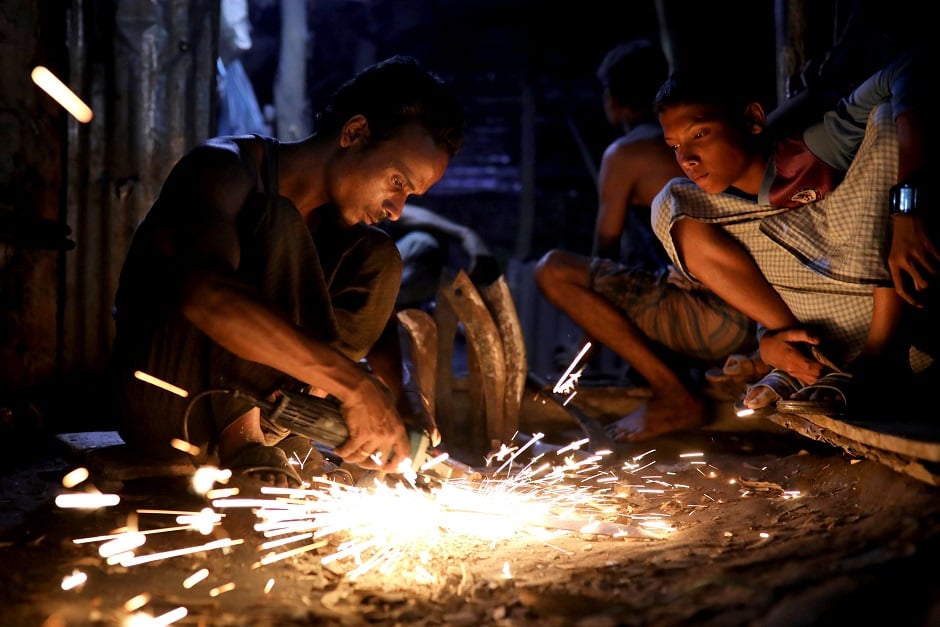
780,382
260,458
839,382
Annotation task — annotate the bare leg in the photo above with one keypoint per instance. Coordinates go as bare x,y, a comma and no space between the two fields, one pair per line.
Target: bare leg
727,269
563,278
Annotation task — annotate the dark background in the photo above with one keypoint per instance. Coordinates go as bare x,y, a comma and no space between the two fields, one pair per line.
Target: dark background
71,194
492,52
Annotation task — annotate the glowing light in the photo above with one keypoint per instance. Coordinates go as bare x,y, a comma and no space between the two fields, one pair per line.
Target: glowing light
136,602
209,546
228,587
116,535
50,83
203,522
186,447
569,379
195,578
205,478
141,619
75,477
121,544
86,500
269,585
160,383
221,493
76,579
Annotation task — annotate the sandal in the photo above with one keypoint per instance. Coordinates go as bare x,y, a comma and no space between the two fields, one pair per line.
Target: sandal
839,382
738,368
260,458
779,382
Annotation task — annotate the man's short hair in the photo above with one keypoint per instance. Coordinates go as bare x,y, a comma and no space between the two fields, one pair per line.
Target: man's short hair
723,93
633,71
395,92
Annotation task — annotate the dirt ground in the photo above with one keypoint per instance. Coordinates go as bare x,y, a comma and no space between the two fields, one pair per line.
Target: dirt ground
764,527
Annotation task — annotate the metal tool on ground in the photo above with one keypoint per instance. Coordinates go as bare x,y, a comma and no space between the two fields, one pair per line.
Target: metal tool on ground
597,435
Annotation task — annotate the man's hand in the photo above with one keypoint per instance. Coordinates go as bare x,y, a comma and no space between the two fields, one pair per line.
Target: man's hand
914,260
377,436
786,349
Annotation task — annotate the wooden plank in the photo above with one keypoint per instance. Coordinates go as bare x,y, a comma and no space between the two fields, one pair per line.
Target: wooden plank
918,440
916,458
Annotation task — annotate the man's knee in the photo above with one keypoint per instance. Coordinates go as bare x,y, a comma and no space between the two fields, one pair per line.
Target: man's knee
553,268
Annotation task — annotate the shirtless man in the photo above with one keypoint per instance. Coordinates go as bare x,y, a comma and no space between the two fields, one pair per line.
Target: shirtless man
641,313
259,267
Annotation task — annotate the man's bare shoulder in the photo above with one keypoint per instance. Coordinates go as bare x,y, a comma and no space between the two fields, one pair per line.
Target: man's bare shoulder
646,151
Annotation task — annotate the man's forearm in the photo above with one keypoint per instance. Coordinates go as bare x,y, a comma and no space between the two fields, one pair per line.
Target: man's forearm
241,322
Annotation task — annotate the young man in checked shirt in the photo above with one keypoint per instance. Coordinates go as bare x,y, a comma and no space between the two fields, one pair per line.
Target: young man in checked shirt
797,232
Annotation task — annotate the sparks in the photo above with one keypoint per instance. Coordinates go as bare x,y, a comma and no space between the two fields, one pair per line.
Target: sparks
569,379
195,578
393,528
81,500
75,580
50,83
397,528
75,477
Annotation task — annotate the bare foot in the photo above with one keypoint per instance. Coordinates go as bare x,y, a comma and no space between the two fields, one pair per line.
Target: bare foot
243,448
658,416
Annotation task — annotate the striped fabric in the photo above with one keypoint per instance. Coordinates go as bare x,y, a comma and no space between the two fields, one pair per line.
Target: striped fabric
671,311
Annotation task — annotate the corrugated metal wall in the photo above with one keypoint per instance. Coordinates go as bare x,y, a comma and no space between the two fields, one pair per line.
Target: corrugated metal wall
148,72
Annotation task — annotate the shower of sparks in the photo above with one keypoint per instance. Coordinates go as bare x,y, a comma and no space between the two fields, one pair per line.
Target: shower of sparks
394,529
398,529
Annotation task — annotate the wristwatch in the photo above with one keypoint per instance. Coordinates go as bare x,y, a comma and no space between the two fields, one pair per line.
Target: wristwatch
903,199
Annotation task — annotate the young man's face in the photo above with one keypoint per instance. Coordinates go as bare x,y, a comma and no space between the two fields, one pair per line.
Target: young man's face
374,179
710,149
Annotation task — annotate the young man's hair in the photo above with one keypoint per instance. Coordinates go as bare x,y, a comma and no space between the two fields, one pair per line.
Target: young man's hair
632,72
395,92
725,96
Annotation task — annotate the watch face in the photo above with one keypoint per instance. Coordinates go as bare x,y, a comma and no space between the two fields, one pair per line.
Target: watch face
905,199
